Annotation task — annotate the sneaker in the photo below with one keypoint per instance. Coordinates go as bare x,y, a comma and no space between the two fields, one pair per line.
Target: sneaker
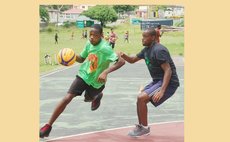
45,131
96,102
139,131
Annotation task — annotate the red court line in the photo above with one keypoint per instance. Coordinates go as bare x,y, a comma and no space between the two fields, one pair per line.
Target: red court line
161,132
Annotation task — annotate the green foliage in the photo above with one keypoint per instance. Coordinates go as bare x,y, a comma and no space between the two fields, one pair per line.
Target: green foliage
124,8
101,13
43,12
180,24
67,24
59,7
50,29
66,7
163,7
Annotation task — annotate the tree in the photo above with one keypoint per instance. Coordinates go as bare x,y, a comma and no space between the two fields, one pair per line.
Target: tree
59,8
121,9
44,15
101,13
163,7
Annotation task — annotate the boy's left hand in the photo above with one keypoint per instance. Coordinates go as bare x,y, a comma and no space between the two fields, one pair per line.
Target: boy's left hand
157,96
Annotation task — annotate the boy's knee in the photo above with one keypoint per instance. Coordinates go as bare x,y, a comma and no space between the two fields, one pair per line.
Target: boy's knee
143,98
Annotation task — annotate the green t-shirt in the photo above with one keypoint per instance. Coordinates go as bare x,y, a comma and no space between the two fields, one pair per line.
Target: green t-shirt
97,59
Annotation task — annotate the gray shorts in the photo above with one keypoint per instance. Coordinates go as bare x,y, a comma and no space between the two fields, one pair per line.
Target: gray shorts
154,87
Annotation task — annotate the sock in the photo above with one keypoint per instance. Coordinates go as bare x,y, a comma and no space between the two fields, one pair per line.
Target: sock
146,127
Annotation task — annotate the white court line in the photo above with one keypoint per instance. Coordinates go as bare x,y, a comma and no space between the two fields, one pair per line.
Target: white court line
48,74
110,130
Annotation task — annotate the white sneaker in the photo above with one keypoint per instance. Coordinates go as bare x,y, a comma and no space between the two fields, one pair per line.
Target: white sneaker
139,131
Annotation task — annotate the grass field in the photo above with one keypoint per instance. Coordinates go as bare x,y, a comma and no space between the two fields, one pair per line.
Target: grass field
174,41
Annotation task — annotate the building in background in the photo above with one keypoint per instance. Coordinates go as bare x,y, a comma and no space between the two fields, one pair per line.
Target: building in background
156,11
53,14
141,12
69,15
174,11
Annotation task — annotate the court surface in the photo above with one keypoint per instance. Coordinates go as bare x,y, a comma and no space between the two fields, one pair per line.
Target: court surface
117,113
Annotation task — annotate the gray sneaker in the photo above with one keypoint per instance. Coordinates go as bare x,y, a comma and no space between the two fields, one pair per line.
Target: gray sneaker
139,131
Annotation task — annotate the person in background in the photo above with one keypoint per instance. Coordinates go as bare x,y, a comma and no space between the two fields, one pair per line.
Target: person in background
112,39
126,37
56,38
72,35
158,33
85,34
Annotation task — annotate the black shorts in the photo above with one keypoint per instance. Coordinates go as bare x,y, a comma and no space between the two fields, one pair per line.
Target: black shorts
79,86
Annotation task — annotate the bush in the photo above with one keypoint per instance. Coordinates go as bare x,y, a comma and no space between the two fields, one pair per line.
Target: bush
50,29
67,24
180,24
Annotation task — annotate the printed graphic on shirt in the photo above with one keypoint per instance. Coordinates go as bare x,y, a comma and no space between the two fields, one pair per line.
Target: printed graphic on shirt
93,59
148,62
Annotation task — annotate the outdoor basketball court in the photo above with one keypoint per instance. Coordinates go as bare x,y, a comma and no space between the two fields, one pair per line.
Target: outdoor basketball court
117,113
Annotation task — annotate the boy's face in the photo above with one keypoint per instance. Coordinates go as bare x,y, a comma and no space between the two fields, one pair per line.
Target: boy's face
94,36
147,38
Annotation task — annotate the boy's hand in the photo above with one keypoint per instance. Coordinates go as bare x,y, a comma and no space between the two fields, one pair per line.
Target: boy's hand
102,77
157,96
121,54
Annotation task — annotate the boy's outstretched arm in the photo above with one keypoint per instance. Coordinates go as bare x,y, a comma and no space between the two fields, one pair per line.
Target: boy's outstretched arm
120,62
130,59
79,59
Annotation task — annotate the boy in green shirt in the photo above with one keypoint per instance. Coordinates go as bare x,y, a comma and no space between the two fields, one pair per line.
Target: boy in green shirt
92,75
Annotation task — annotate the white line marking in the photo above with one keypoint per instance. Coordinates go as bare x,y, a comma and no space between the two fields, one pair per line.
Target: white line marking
58,71
111,130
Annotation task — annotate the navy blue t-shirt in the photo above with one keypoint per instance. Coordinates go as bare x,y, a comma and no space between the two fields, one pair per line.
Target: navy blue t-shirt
155,56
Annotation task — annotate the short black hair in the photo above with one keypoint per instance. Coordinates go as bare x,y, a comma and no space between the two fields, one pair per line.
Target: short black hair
151,31
98,27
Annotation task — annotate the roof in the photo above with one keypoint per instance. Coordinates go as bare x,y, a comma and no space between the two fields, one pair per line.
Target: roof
73,11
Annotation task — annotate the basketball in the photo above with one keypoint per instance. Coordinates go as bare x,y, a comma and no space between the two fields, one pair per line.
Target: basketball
66,57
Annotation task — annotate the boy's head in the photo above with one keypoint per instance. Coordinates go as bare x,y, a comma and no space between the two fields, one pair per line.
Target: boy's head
148,37
95,34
